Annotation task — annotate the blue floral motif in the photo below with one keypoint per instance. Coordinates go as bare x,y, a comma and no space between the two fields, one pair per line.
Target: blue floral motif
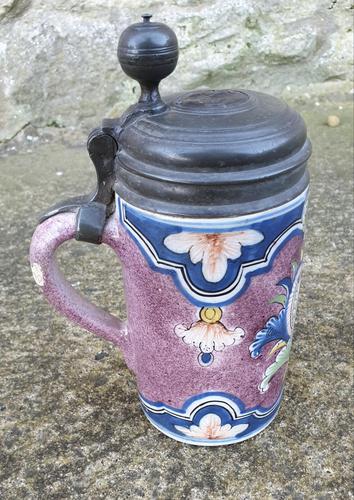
275,328
279,328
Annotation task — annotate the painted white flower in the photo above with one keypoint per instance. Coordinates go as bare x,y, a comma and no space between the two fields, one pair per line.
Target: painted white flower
210,428
209,337
212,249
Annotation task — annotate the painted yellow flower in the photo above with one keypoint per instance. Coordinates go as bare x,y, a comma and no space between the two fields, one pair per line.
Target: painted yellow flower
212,249
210,428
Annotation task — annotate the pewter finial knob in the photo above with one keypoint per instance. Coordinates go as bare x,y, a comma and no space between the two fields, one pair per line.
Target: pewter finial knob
148,52
146,18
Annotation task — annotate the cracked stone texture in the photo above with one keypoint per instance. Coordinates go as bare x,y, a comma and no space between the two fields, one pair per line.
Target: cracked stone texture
58,62
70,422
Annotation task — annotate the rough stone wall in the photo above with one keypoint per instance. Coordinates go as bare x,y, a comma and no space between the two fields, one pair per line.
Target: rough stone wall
58,63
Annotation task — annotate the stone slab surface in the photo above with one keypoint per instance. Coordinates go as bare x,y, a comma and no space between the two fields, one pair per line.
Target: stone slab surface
70,422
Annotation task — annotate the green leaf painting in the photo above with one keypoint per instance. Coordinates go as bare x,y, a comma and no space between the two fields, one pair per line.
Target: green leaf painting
279,299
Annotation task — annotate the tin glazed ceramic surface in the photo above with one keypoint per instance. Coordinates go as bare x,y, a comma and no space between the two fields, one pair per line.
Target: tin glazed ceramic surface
215,310
211,308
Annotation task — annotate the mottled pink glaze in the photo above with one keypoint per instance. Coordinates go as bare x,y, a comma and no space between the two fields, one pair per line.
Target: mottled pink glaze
167,369
46,239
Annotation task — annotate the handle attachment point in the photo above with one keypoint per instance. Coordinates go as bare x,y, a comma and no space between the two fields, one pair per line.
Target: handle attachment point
90,222
94,208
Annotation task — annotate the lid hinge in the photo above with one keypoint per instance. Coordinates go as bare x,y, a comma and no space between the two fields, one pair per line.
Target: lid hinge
94,209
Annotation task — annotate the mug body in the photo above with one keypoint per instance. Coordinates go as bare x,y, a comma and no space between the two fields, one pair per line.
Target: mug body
211,306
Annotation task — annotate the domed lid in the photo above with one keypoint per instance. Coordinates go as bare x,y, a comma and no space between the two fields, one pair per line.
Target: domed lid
206,153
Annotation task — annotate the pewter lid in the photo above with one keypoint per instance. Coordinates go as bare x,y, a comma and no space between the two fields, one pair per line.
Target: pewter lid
206,153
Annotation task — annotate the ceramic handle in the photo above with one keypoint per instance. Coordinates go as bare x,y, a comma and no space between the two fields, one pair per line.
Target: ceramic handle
48,236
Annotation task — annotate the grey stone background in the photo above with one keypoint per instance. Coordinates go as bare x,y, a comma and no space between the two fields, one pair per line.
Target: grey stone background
58,63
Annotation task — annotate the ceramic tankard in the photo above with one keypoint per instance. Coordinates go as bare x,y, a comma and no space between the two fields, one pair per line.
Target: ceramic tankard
202,196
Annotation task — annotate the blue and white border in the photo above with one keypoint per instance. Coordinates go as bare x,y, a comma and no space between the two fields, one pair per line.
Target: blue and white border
229,410
283,222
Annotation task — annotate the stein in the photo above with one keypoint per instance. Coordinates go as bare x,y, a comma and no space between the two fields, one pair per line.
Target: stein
202,196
